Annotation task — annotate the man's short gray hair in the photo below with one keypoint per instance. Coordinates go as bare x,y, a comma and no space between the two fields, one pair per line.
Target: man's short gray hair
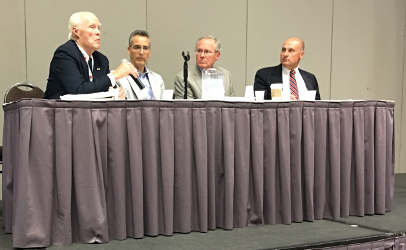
218,44
76,19
138,33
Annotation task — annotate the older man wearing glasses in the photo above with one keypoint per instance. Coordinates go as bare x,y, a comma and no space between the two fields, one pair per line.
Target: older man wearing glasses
77,67
207,53
139,50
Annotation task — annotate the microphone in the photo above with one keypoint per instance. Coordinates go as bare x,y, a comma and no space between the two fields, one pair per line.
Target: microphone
136,80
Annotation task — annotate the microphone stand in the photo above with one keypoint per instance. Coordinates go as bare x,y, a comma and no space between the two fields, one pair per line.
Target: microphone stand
186,57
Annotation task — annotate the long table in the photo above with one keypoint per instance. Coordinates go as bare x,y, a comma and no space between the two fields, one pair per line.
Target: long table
79,171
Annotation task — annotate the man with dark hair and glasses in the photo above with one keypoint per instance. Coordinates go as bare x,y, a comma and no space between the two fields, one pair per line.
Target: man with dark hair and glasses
139,50
207,53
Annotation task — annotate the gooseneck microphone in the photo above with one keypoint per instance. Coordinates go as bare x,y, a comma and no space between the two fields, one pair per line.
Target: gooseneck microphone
136,80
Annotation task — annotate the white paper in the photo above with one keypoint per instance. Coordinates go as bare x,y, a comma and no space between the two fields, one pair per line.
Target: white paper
112,94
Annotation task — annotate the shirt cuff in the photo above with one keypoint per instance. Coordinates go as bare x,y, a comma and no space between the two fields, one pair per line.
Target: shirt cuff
112,79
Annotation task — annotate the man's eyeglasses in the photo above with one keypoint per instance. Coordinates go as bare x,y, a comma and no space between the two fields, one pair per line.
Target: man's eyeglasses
138,48
205,52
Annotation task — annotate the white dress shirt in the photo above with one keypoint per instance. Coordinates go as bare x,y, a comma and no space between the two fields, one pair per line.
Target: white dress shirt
86,56
301,85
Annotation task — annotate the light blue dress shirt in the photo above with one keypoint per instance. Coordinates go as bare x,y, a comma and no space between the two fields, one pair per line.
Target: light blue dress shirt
146,93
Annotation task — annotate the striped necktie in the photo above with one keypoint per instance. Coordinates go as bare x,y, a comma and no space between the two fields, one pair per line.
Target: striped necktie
293,85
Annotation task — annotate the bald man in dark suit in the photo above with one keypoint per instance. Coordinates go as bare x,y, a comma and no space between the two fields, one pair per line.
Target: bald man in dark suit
294,79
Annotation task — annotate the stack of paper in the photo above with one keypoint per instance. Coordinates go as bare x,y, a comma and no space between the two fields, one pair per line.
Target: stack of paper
112,94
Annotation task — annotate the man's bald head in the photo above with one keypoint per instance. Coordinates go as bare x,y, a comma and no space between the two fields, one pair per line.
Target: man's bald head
292,52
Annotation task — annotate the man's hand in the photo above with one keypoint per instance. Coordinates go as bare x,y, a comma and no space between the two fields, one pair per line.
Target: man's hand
125,69
121,93
292,97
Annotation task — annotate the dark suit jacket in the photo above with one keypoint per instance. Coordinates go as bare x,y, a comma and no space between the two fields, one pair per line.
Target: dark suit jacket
69,73
266,76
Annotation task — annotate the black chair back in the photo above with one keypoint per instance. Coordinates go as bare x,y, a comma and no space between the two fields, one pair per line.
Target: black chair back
16,92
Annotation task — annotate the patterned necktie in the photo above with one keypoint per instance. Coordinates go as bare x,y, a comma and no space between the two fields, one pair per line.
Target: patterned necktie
293,85
90,63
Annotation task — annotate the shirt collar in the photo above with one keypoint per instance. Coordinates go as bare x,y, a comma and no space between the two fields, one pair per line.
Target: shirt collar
146,71
85,55
287,71
201,70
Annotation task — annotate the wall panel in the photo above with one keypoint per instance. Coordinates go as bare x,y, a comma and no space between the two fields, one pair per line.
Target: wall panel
368,51
12,48
401,135
12,43
175,26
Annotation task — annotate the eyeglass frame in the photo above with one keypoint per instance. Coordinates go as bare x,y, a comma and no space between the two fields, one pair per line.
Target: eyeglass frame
144,48
205,52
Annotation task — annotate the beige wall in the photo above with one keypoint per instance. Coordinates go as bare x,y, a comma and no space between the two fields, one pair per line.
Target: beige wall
268,28
356,48
176,25
368,56
47,28
401,107
12,48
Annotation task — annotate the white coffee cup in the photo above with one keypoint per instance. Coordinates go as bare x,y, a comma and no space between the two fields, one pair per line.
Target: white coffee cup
259,95
249,93
168,94
309,95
